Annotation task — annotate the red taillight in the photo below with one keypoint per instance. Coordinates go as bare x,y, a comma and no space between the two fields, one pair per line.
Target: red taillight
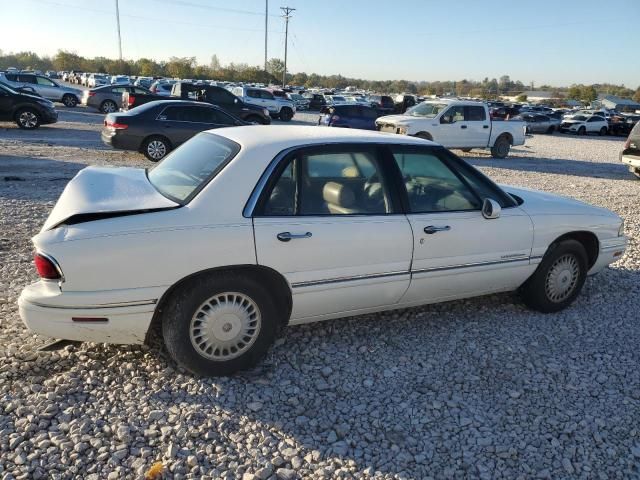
91,94
334,118
45,267
115,126
131,100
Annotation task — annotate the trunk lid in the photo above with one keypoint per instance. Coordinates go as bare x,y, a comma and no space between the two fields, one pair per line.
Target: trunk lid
101,192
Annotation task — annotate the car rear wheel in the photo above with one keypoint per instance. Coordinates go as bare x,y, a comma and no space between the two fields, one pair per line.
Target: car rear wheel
603,131
108,106
27,119
582,131
550,130
286,114
501,147
156,148
220,324
558,279
69,100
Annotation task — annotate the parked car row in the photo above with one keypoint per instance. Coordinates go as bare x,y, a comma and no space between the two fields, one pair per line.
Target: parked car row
45,87
27,110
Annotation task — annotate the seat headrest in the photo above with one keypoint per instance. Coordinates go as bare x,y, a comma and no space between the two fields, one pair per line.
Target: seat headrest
337,194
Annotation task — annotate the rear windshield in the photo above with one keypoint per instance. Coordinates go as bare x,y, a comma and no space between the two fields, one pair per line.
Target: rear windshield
186,170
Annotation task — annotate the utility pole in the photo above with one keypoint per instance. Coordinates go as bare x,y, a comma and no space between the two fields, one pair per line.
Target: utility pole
287,15
118,23
266,26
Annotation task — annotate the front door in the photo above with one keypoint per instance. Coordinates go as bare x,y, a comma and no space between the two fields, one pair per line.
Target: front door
458,252
452,131
327,221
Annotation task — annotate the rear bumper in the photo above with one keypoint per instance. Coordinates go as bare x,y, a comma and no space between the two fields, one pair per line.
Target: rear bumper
120,142
120,322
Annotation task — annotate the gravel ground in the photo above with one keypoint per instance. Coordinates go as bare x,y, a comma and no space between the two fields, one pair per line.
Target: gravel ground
482,388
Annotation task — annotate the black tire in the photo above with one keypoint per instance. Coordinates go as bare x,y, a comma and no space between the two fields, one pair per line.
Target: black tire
108,106
466,150
155,148
535,291
582,131
501,147
180,317
425,136
27,118
603,131
286,114
550,130
635,171
69,100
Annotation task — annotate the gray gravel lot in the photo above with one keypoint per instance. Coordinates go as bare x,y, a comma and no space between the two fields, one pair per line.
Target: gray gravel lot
482,388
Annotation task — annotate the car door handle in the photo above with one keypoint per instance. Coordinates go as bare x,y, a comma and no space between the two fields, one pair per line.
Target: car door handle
431,229
463,126
287,236
485,126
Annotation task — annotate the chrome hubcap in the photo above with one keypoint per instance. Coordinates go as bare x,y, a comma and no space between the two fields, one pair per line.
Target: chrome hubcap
156,149
562,278
28,119
109,107
225,326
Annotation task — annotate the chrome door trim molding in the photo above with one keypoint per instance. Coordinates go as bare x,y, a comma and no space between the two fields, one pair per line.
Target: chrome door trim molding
353,278
138,303
470,265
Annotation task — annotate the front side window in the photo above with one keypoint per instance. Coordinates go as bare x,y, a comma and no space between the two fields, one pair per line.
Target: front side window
44,82
186,170
454,114
334,182
431,185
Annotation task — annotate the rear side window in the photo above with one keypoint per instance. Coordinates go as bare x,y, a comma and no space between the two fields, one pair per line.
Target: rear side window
186,170
11,77
474,114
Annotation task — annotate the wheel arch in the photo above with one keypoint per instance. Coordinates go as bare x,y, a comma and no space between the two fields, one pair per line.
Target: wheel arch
507,135
265,275
424,134
587,239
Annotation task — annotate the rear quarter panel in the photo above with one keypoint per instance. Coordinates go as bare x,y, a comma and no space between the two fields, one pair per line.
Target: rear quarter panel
514,127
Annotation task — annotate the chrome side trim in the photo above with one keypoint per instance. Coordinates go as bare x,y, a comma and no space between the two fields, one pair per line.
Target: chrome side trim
353,278
613,247
469,265
138,303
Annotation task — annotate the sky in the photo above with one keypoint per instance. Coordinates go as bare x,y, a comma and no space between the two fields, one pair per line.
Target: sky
557,42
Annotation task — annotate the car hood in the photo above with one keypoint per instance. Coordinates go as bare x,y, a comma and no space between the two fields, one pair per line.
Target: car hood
400,119
571,120
102,192
543,203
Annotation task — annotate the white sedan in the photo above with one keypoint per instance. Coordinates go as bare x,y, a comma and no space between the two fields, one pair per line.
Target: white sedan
242,231
583,124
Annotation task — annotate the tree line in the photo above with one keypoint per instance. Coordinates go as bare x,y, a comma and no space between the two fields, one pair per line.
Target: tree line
187,67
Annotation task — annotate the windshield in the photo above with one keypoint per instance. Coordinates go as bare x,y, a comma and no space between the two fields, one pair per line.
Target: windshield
581,118
186,170
429,110
337,98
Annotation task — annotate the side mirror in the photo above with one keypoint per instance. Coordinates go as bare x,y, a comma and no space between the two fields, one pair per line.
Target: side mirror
491,209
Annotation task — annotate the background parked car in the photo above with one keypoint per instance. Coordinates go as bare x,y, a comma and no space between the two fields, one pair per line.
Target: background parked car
96,80
383,103
300,102
623,124
316,100
162,88
108,98
28,111
120,80
279,107
538,123
630,154
46,87
403,102
144,82
583,124
349,116
157,128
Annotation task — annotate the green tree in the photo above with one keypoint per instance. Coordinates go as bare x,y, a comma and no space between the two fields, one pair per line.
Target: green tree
181,67
275,67
588,94
636,96
575,92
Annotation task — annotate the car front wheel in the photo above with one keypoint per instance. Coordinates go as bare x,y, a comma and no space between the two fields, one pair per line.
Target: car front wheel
108,106
558,279
286,114
27,119
220,324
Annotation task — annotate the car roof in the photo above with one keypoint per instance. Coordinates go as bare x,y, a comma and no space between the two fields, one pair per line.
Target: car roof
287,136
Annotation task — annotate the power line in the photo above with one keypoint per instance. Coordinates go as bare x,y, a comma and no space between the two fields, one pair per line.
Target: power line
210,7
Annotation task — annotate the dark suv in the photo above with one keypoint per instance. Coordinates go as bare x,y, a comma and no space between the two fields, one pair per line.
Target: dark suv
383,103
316,100
28,111
630,154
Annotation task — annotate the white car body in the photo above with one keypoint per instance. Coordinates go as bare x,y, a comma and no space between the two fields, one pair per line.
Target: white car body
118,267
480,133
96,80
585,124
262,97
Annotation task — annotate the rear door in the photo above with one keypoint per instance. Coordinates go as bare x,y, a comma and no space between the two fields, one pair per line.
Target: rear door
327,221
477,123
458,252
47,88
176,123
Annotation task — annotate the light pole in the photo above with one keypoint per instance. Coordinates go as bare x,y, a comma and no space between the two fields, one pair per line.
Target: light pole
287,15
118,24
266,26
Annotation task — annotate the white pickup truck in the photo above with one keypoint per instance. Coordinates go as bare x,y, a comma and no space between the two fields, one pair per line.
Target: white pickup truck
456,124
